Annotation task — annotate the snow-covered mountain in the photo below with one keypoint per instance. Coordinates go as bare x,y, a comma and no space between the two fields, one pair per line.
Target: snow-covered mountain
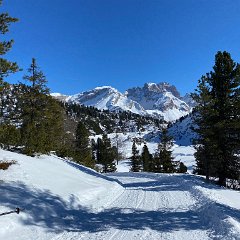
107,98
160,100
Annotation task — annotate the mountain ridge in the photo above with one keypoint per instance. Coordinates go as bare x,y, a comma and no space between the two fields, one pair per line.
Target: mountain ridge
160,100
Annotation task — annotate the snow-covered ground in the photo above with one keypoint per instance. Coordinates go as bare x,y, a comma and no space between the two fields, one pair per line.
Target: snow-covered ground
63,200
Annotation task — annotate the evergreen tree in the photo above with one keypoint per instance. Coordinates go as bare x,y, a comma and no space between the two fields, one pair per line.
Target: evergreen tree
106,154
6,67
9,136
42,116
218,120
206,151
100,150
182,168
164,154
135,159
151,165
83,150
146,159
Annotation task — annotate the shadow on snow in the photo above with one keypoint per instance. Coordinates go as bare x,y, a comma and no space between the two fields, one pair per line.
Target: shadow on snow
45,209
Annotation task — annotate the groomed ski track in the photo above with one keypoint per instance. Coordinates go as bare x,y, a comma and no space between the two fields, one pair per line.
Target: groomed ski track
158,206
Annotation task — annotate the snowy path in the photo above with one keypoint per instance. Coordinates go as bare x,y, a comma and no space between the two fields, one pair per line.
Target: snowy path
161,207
66,201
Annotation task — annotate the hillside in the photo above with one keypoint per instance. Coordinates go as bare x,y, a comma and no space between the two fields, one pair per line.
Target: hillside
78,203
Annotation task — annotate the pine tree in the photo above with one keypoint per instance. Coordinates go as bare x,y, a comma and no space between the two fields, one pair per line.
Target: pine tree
164,154
6,67
146,159
206,151
99,150
182,168
106,154
83,150
9,136
218,120
41,115
135,159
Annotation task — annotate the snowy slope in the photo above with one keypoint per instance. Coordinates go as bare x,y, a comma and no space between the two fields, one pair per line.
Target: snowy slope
188,100
66,202
182,131
53,192
107,98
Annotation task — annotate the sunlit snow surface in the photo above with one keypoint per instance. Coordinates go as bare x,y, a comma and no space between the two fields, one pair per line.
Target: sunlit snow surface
62,200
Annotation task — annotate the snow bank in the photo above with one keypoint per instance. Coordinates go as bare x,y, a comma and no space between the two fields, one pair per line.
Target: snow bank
50,190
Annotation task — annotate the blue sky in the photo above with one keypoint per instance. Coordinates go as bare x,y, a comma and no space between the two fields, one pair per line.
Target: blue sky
82,44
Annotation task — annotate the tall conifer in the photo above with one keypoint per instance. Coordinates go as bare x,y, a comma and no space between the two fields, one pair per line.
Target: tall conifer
42,116
83,149
9,134
146,159
135,159
6,67
218,120
165,153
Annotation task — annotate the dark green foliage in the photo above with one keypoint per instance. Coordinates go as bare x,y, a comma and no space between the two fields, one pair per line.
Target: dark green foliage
6,67
106,154
146,159
83,153
136,165
100,150
163,158
41,115
182,168
9,136
218,116
37,79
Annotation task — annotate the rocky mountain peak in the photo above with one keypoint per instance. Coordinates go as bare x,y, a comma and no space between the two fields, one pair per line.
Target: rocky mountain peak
155,99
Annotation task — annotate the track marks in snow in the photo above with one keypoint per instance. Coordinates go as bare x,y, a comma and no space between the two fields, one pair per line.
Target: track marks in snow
169,207
166,207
